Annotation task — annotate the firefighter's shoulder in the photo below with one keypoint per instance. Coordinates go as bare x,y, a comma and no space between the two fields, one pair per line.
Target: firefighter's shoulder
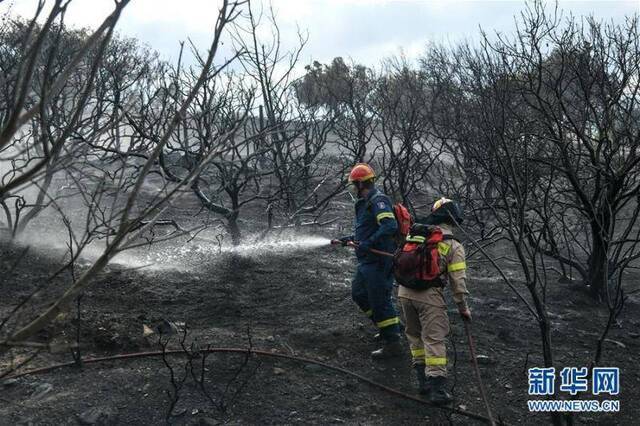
381,202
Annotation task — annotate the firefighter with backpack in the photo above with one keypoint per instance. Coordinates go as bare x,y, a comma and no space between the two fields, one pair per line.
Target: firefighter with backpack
375,227
429,259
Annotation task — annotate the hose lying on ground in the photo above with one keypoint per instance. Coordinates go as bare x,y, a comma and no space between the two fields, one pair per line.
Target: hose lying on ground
259,353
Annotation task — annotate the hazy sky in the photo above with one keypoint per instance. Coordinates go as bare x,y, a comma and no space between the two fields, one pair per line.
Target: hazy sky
365,30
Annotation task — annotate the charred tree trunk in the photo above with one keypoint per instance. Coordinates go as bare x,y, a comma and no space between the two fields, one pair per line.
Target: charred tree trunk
598,262
557,419
234,229
232,219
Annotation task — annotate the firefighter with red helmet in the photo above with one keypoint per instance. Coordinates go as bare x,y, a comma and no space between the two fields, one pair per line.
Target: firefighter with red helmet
425,310
374,228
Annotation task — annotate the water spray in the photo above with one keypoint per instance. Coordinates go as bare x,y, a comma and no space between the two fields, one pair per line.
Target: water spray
205,249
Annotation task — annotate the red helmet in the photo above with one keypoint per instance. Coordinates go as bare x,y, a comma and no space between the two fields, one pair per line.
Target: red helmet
361,172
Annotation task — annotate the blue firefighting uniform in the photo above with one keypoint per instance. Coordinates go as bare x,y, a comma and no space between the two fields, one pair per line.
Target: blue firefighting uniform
372,285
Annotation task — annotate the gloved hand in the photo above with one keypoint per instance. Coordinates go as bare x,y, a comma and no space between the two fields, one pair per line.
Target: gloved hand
345,240
465,312
364,246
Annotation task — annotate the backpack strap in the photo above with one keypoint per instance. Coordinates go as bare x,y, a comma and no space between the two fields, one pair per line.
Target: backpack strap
417,239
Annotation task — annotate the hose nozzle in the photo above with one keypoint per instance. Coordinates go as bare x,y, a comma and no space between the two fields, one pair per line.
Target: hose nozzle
348,243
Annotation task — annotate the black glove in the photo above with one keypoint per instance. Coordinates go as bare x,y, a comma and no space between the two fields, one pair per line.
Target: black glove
345,240
363,248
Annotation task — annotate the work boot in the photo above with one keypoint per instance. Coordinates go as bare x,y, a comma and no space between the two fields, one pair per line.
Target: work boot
437,391
390,349
422,379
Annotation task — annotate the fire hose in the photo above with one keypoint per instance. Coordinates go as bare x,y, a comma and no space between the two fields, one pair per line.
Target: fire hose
476,368
362,378
467,330
355,245
258,353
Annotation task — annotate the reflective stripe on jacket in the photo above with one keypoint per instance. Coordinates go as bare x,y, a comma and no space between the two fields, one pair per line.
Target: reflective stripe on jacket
375,221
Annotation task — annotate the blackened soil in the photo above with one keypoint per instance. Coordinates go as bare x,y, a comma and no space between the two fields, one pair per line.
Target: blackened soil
297,304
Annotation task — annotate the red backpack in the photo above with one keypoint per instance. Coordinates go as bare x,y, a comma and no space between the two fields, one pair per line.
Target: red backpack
404,219
418,264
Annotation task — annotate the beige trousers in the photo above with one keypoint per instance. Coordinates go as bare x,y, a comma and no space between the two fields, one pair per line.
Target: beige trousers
427,328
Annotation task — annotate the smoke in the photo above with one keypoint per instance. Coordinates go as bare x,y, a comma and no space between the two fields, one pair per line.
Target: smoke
49,236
